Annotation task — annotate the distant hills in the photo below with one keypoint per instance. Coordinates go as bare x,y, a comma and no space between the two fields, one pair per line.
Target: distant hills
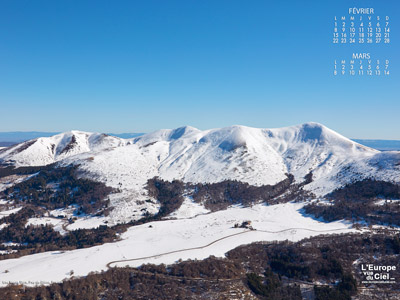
382,145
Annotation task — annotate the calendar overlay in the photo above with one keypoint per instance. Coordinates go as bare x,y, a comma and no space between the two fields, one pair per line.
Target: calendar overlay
361,27
361,64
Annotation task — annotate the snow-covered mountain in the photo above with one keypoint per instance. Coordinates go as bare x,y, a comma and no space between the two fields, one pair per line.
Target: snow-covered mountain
253,155
47,150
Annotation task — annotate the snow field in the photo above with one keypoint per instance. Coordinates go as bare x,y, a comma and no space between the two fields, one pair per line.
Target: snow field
151,241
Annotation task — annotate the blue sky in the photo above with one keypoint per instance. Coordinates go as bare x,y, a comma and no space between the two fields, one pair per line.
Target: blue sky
137,66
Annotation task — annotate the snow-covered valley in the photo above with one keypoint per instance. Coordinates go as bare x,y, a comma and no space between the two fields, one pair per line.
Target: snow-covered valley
190,236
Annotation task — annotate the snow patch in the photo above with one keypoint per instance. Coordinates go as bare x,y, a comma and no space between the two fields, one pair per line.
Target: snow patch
56,223
9,212
189,209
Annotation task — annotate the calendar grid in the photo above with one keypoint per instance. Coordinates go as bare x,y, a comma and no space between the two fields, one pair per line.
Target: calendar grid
362,28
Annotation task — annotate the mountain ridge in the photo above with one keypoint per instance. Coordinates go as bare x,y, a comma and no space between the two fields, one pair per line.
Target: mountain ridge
258,156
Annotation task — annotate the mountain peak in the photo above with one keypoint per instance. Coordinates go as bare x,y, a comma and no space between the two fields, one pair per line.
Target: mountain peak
181,131
47,150
312,131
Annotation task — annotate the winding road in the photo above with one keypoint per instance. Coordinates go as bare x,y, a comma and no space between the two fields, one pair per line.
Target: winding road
216,241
